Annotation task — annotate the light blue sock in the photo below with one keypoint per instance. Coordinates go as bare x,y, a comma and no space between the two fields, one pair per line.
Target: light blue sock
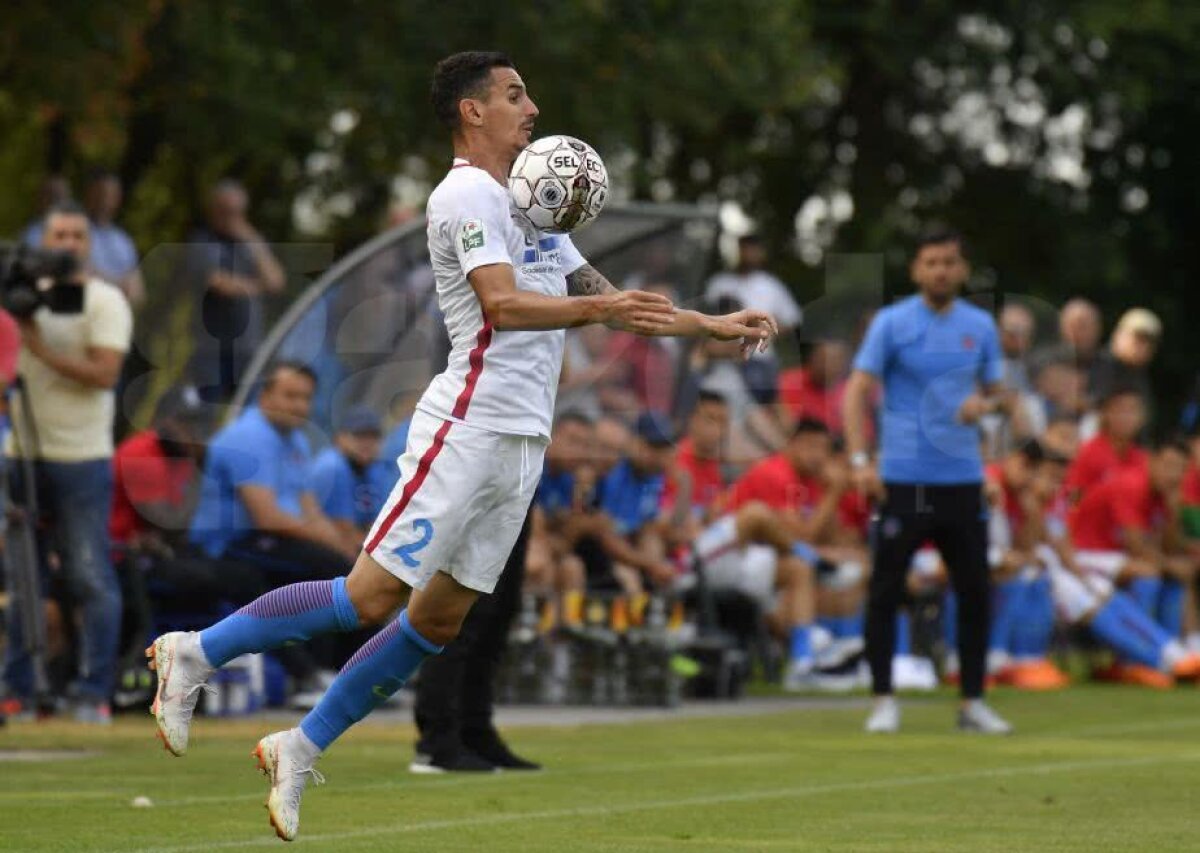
903,635
1033,624
1006,605
849,626
1170,606
290,614
1145,592
369,678
950,620
802,642
1124,626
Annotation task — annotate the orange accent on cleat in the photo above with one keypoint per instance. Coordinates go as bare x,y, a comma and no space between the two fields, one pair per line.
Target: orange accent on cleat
1187,668
1144,676
1037,675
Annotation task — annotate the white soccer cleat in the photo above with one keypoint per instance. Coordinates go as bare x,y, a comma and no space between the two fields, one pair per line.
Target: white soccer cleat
885,717
977,717
182,673
282,763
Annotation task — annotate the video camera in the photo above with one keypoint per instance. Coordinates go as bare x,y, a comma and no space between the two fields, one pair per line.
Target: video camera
31,277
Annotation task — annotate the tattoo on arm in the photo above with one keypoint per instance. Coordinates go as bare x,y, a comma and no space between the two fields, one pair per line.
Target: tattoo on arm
587,281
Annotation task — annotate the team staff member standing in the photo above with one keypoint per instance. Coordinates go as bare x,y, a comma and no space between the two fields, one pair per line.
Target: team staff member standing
940,364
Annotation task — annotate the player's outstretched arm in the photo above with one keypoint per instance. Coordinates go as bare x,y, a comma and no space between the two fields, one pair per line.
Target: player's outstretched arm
511,309
754,328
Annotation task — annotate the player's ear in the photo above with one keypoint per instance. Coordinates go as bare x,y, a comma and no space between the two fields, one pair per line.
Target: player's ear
470,112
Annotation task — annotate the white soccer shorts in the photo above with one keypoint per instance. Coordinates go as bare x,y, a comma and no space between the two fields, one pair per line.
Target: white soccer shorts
749,569
459,505
1102,568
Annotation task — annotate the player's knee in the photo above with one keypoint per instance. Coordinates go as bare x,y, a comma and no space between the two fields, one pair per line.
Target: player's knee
438,626
752,517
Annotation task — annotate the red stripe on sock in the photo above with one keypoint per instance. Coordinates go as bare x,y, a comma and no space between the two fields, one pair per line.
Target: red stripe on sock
482,341
410,489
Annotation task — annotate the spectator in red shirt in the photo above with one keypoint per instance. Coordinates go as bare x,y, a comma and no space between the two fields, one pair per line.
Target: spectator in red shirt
696,474
815,390
1114,449
10,345
645,365
1125,530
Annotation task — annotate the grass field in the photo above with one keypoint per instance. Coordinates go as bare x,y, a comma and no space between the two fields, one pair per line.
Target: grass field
1091,769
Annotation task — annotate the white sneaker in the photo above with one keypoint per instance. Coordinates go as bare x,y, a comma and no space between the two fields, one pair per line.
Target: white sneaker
798,676
282,762
978,717
885,718
910,672
182,673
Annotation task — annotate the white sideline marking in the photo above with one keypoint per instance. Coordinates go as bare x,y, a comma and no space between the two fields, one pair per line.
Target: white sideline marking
685,802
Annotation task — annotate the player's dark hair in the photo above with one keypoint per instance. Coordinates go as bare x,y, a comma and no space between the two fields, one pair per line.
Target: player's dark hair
1062,418
939,235
1173,442
462,75
1055,458
287,365
573,416
705,396
1120,389
809,426
1032,450
70,207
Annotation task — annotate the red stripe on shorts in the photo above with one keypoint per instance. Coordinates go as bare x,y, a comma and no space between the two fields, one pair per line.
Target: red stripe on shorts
482,341
410,488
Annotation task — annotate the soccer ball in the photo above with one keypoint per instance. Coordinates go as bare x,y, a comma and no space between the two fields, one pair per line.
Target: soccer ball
558,183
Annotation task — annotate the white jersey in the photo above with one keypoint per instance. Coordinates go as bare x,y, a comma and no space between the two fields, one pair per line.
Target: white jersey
503,382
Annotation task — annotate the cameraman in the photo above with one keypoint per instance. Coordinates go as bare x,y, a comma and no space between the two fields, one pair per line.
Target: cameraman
69,361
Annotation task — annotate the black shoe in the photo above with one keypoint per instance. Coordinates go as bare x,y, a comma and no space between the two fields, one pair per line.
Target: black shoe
497,752
458,761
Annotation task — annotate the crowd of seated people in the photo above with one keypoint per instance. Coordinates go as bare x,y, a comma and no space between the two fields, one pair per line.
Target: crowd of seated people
1094,528
673,468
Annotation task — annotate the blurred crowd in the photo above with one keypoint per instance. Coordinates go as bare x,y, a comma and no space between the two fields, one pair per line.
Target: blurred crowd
676,473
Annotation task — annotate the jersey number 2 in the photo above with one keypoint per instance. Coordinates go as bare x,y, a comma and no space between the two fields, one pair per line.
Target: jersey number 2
424,527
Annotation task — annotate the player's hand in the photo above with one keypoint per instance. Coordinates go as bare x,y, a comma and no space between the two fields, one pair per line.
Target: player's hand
975,407
837,477
639,312
866,481
662,573
755,329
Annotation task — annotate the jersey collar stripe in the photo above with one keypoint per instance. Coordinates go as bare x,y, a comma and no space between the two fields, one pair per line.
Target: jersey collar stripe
411,487
482,341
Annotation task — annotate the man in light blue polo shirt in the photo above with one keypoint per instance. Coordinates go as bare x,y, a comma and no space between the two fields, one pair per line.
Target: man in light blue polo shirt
349,479
255,503
939,361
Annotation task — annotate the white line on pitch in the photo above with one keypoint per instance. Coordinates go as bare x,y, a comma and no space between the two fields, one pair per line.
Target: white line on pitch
691,802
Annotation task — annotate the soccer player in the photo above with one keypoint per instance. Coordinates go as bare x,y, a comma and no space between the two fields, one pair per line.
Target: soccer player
474,453
1150,655
938,358
782,518
1126,531
1114,448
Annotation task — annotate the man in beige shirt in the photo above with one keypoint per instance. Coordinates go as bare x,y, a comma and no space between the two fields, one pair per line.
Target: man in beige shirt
69,364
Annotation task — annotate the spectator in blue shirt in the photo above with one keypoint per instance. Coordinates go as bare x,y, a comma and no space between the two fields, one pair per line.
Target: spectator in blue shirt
349,479
562,514
255,503
629,497
940,364
114,257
